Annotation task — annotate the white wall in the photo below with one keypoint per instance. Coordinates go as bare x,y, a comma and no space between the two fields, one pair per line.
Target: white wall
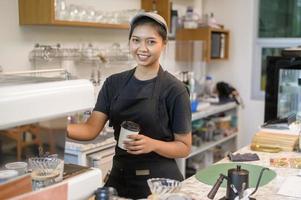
239,17
181,6
17,41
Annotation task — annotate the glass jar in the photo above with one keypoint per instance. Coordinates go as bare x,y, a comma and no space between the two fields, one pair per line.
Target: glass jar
191,18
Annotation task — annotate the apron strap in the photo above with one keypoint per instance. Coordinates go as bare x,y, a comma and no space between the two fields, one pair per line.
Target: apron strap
127,79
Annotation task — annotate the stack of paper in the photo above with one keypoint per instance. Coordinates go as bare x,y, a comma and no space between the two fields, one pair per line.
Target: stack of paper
290,187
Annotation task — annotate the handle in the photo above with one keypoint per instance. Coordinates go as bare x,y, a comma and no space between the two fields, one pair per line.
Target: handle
259,179
216,186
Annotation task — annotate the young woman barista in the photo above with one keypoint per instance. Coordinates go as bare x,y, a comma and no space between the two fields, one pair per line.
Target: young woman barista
150,97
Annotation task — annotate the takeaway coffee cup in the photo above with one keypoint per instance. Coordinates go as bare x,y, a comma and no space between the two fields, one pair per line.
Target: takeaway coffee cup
127,128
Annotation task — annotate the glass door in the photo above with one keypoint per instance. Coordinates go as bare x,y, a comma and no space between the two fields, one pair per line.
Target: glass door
289,92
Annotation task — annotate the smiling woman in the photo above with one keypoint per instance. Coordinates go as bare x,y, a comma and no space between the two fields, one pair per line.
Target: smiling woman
147,40
146,46
150,97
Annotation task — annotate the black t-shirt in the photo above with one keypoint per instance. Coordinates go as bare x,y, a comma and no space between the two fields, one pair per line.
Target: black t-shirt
138,89
174,98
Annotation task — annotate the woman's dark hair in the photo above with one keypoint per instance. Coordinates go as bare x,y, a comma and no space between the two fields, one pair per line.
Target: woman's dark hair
146,20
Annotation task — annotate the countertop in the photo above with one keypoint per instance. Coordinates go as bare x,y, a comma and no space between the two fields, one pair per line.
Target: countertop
198,190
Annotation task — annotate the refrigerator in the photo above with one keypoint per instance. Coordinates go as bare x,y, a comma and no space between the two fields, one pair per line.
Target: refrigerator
283,88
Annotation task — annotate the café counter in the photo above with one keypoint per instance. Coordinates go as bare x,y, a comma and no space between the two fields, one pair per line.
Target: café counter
195,189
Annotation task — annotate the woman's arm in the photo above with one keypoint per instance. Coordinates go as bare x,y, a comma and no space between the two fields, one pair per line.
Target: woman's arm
90,129
178,148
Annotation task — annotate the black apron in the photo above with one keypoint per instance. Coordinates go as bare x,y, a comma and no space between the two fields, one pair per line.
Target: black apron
129,173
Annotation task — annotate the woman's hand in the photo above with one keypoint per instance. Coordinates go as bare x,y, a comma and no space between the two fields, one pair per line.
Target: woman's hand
140,144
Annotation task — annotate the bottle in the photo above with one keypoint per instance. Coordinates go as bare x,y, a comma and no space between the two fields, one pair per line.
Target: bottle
212,21
209,84
105,193
191,82
190,18
222,47
154,6
102,194
193,102
173,24
189,13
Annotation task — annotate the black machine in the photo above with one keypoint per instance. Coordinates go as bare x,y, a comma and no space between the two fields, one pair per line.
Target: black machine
283,88
237,183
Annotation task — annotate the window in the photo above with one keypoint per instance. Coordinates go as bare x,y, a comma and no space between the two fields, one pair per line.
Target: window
278,26
278,18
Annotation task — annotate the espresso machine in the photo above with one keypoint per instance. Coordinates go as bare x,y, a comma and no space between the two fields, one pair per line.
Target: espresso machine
34,113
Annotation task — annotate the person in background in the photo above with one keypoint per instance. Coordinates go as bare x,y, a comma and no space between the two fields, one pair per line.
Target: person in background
150,97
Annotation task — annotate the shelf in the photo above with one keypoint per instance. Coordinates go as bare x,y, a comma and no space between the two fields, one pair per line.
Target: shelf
208,145
41,12
89,24
213,109
216,41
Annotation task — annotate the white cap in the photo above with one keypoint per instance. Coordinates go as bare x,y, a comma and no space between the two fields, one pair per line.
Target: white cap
154,16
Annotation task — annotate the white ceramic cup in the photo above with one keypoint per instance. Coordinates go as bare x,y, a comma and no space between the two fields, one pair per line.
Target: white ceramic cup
127,128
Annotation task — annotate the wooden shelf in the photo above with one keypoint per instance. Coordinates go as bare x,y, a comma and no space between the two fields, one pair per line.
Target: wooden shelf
89,24
42,12
206,34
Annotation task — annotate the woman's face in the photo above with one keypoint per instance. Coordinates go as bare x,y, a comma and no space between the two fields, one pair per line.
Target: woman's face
146,45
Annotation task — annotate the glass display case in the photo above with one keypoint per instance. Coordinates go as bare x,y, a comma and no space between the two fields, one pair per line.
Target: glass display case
289,95
283,88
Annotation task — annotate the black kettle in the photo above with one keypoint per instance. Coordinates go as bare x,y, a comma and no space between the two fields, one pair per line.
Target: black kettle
237,183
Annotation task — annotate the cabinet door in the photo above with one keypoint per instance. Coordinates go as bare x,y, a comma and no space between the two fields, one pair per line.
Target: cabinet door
36,12
163,7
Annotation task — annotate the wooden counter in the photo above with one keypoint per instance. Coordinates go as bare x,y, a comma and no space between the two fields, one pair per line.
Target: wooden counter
198,190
